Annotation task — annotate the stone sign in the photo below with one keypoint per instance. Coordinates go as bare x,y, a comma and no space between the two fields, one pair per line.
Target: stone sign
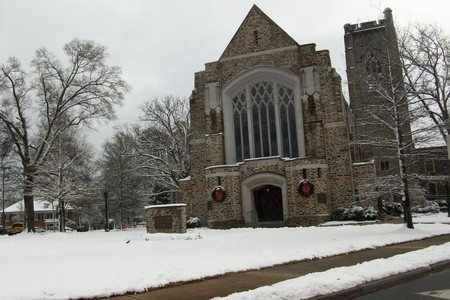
168,218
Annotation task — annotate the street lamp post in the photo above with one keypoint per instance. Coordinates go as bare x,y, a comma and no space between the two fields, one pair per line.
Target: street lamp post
105,195
3,195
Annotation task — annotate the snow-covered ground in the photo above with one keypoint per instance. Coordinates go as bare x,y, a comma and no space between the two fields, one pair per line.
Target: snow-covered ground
98,263
342,278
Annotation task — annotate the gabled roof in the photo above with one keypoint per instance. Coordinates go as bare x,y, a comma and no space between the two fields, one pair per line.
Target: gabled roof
39,206
257,33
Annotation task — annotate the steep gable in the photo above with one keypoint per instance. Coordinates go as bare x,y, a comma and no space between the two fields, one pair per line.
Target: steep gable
257,33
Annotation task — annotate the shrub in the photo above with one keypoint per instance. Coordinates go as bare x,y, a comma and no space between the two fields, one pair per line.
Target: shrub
354,213
193,222
428,207
370,213
392,208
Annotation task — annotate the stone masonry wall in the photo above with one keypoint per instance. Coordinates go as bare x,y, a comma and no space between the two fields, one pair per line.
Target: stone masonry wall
365,174
227,213
170,218
327,163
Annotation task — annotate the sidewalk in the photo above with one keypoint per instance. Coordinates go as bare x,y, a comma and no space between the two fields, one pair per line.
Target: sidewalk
242,281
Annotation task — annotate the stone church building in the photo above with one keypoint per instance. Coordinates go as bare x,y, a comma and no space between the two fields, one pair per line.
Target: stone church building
270,137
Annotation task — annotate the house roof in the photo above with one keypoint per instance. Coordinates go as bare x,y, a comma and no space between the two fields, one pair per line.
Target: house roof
39,206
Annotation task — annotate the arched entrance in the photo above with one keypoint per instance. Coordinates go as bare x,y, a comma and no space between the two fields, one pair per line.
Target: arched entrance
260,205
269,203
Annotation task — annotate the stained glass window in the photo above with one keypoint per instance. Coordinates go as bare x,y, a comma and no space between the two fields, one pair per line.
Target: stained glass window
264,121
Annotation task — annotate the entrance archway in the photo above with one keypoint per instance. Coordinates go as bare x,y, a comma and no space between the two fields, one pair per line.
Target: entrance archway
268,203
254,216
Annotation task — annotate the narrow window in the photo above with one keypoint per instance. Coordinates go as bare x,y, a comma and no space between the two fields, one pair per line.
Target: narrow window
305,175
256,38
432,190
357,195
318,173
287,115
429,166
384,165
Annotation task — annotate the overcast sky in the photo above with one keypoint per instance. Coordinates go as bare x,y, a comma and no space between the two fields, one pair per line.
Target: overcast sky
160,44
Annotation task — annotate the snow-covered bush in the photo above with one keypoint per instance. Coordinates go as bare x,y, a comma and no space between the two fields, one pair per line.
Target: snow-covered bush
71,224
370,213
428,207
392,208
442,204
193,222
354,213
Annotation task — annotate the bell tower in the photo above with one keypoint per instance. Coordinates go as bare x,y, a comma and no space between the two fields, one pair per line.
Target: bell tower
375,77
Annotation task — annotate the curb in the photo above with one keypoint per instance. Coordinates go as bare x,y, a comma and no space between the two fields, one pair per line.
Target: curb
373,286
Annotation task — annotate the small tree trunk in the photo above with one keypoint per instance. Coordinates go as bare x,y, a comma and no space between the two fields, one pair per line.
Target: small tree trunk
62,216
408,216
380,208
407,212
28,200
407,209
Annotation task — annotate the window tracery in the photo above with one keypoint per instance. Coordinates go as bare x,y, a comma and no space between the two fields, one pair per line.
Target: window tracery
264,121
373,63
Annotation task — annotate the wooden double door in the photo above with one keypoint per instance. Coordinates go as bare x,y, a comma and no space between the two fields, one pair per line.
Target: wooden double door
268,203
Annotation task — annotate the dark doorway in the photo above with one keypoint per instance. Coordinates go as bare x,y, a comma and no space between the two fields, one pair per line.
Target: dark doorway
268,203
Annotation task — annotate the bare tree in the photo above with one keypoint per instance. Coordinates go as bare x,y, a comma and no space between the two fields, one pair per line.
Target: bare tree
121,178
163,141
67,175
56,97
425,52
5,158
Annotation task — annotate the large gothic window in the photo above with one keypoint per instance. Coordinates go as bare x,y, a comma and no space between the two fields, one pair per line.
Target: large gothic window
264,121
262,113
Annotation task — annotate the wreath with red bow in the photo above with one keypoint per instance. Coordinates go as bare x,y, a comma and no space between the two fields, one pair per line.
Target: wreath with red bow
305,188
218,193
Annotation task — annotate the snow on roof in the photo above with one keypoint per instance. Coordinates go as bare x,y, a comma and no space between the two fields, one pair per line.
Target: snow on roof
39,205
370,162
165,205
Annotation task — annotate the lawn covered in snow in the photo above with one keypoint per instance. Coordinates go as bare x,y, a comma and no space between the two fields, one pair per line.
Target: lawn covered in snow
98,263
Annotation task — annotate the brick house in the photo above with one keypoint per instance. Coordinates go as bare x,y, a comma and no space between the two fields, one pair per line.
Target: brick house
433,166
45,214
271,131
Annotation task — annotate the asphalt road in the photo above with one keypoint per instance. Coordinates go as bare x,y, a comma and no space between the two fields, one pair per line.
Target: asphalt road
431,287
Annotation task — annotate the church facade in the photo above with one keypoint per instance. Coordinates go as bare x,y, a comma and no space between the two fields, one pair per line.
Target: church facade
271,132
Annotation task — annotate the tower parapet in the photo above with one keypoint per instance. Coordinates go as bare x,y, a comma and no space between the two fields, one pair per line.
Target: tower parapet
370,25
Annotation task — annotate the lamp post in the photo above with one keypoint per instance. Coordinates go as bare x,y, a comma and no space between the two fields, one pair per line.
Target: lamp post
105,195
445,169
3,195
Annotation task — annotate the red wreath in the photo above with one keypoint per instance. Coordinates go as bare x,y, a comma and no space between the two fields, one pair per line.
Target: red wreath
264,201
218,194
276,201
306,188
